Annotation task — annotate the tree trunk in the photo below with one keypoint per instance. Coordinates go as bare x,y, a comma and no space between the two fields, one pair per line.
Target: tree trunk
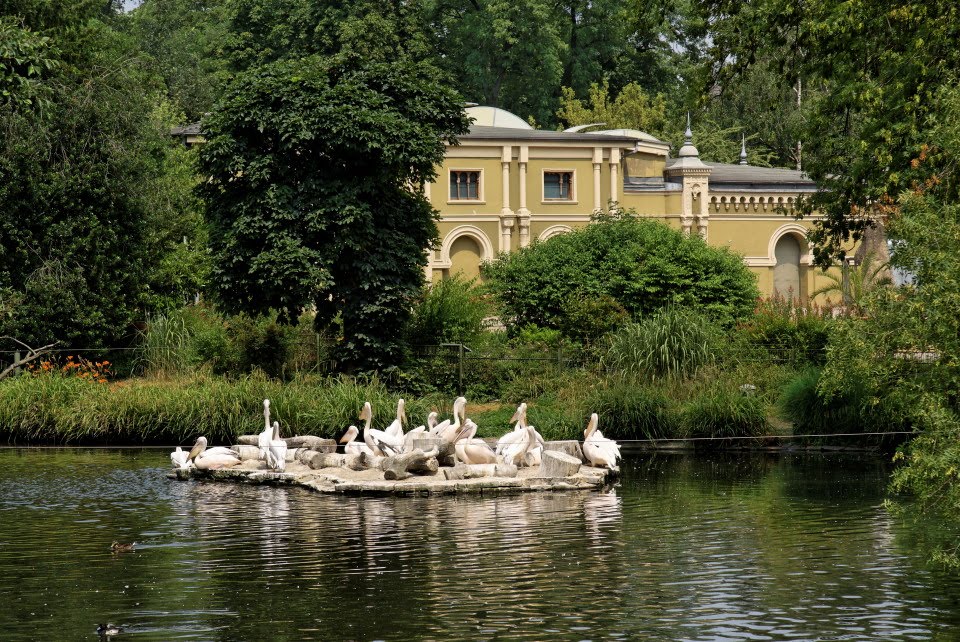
404,465
558,464
473,471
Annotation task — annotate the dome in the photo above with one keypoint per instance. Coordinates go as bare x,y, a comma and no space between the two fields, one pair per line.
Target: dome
495,117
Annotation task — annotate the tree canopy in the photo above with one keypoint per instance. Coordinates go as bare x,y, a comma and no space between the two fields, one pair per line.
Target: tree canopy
314,196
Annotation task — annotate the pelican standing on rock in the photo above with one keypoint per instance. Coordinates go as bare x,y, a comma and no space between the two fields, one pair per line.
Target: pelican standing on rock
396,428
212,458
448,429
536,448
378,440
599,450
277,450
263,439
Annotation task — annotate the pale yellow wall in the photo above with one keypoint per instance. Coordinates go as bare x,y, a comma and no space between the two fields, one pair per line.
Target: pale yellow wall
746,226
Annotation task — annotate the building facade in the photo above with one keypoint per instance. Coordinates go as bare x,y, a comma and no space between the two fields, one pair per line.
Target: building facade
506,186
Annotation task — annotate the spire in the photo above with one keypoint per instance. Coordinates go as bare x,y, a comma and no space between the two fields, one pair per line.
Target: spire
743,151
688,149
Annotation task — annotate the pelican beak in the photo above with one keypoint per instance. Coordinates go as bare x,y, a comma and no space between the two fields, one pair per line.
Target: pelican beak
516,416
196,450
403,416
345,438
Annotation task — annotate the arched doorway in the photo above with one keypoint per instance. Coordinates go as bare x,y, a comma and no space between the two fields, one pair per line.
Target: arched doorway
786,271
465,256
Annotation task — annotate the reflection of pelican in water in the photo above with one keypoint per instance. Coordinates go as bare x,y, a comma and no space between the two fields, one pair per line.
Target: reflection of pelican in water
212,458
602,509
599,451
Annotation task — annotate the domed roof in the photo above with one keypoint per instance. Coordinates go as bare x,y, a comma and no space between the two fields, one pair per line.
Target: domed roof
495,117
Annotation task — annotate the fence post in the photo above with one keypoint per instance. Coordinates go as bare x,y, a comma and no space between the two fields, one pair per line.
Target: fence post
16,362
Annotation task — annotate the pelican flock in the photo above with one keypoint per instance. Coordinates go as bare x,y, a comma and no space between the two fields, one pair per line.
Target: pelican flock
521,446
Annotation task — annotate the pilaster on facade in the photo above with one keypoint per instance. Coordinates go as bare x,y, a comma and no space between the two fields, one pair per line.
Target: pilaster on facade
614,175
523,214
506,232
597,163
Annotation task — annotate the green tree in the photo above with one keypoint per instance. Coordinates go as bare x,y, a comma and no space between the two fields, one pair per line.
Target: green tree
184,39
313,169
881,65
643,265
81,183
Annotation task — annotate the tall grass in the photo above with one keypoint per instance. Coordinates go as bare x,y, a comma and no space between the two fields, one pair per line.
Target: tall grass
672,343
723,411
63,409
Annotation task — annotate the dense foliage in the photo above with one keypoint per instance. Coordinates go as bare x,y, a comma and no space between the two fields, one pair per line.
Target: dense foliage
643,265
310,163
95,203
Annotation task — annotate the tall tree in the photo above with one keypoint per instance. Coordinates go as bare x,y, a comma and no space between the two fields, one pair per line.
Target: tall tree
184,38
881,64
79,177
315,164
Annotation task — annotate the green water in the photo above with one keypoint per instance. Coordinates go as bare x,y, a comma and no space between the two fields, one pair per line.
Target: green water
685,548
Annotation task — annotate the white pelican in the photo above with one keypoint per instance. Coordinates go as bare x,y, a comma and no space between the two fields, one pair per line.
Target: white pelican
352,447
180,458
599,450
516,452
277,450
470,450
212,458
263,439
447,429
520,417
396,428
377,440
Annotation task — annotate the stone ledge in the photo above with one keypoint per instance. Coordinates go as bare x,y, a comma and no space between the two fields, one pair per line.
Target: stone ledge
345,481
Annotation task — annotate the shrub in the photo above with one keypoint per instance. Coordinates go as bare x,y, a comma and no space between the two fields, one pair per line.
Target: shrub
723,411
642,265
628,411
788,333
448,311
802,404
672,343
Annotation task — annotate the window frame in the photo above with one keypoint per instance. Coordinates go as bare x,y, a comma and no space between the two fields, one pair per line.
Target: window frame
480,184
543,186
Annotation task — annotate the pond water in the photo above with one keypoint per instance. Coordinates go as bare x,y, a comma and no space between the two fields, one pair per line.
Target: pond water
685,548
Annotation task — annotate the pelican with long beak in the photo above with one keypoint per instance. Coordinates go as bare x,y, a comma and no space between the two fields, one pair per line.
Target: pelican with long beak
212,458
517,451
470,450
263,439
395,429
277,450
379,442
448,429
353,447
599,450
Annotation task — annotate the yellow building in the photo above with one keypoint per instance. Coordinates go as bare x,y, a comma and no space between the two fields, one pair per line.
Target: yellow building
507,185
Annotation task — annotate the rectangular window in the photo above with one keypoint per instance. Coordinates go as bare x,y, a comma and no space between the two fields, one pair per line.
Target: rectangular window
464,185
558,186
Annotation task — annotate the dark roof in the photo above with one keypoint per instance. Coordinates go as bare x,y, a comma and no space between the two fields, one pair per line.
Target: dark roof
480,132
193,129
722,174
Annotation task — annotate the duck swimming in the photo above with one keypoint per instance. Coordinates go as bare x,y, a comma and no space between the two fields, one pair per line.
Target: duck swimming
118,547
108,630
